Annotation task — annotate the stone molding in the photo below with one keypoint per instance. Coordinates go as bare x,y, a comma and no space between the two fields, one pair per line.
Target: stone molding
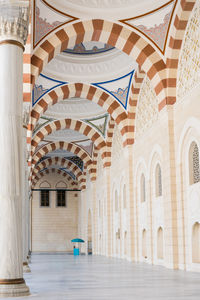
14,21
95,68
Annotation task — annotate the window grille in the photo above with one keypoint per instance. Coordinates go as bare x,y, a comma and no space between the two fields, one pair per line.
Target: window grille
44,198
61,201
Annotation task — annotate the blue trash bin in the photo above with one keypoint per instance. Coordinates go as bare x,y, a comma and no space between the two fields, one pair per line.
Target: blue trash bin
76,251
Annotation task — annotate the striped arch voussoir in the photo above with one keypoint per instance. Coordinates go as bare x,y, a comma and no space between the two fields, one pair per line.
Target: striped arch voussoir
174,49
70,147
133,101
61,162
75,125
73,183
112,34
84,91
111,126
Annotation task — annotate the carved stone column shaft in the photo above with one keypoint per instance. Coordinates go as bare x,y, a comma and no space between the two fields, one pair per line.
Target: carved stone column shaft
13,34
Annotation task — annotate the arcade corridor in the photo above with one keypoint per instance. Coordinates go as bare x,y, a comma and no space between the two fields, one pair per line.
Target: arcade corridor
62,276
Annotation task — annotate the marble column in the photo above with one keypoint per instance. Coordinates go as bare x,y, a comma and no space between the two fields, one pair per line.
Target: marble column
13,35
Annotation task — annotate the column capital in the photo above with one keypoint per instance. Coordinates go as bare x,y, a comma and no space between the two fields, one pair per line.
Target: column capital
14,21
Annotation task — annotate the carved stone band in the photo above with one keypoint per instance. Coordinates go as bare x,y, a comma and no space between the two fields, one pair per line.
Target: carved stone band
12,281
12,42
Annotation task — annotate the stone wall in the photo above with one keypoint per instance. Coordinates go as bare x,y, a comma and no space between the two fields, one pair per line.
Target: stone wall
53,227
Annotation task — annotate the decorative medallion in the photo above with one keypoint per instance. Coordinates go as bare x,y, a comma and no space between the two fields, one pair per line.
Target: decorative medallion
99,123
43,85
46,19
86,145
119,88
155,24
43,121
77,161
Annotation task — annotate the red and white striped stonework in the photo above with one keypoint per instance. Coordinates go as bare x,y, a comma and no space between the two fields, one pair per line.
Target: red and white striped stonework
176,35
162,72
60,162
27,86
111,126
84,91
112,34
69,179
80,152
76,125
133,100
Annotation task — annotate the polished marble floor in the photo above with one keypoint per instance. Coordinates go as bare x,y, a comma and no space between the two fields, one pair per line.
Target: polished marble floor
62,276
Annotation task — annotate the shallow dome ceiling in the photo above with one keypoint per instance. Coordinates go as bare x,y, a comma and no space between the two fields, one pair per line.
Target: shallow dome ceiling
74,108
105,9
95,66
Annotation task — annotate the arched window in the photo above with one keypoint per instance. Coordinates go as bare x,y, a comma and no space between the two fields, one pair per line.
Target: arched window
124,196
144,243
196,243
194,163
158,181
142,188
116,202
160,243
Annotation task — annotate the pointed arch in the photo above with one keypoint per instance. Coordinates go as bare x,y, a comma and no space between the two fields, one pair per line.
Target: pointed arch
61,162
158,180
144,243
112,34
194,167
196,243
80,152
142,188
53,170
173,50
84,91
76,125
160,241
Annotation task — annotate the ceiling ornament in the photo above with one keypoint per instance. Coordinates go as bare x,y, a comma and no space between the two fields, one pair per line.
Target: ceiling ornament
86,145
99,123
119,88
62,149
77,161
155,24
89,48
44,84
46,18
42,122
102,67
58,162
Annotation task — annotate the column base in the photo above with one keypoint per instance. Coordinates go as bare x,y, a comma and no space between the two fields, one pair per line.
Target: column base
13,288
26,268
